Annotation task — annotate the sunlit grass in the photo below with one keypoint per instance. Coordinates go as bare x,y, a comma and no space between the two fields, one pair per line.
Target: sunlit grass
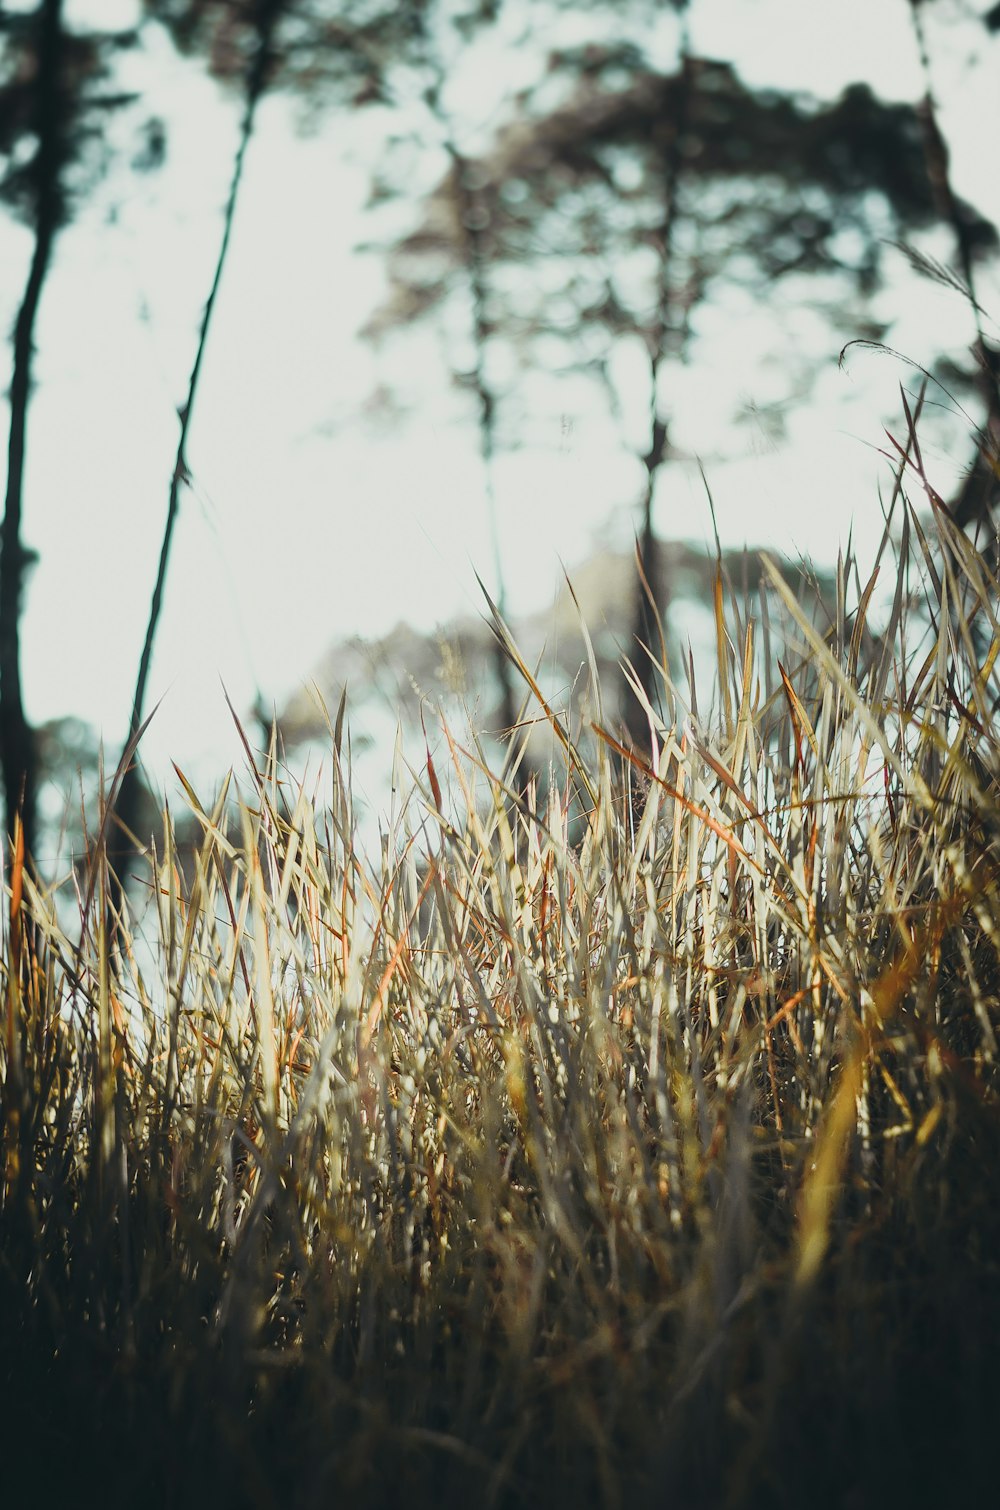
631,1141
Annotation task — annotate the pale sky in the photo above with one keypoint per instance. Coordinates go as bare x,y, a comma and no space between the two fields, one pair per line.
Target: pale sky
306,521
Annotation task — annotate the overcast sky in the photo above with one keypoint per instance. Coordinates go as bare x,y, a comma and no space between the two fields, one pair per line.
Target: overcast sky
306,521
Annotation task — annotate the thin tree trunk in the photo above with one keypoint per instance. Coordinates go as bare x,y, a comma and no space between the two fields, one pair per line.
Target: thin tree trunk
651,591
980,490
128,804
651,587
476,265
18,757
470,212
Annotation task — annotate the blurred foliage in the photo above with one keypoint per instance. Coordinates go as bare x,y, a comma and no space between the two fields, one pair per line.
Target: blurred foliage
771,186
76,110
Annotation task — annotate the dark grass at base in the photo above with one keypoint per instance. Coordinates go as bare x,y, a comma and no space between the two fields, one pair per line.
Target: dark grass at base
878,1388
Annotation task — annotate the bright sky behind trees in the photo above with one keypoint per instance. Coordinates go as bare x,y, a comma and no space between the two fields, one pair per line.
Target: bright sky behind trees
336,490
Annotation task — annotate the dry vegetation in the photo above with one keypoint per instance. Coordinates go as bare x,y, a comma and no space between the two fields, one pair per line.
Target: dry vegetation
577,1150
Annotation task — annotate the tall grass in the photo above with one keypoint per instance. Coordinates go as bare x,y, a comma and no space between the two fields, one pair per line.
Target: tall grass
628,1143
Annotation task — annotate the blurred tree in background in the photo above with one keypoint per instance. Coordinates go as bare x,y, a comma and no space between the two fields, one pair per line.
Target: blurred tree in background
622,200
55,97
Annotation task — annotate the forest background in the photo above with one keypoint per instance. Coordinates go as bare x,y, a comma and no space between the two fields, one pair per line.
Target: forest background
497,286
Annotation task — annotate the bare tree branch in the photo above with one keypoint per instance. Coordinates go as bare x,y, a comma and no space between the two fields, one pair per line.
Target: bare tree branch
265,19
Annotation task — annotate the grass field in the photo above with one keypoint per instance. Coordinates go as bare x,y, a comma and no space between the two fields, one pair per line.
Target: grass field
629,1143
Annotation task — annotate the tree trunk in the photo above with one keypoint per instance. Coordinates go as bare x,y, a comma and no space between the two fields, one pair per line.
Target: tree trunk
650,585
980,491
18,757
651,591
